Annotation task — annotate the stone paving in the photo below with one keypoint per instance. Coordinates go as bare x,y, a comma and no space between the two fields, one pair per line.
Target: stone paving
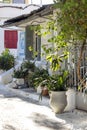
21,110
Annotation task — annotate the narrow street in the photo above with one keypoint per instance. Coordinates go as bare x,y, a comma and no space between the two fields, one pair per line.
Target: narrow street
19,113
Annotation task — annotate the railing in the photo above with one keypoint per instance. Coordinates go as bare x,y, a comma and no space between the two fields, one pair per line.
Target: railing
82,85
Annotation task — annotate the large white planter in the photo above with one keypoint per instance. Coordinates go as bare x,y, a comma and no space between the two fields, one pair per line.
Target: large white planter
71,100
81,101
58,101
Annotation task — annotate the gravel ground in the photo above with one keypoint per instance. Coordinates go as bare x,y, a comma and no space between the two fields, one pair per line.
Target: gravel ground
19,112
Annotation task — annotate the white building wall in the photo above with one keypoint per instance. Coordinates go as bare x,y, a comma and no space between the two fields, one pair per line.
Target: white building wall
8,11
1,40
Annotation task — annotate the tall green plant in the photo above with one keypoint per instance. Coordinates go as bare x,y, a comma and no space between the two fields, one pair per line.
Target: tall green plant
70,25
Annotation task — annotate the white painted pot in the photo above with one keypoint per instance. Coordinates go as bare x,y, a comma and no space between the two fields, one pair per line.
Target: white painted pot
58,101
71,100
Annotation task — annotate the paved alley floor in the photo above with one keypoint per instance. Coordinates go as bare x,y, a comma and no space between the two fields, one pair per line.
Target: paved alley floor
19,112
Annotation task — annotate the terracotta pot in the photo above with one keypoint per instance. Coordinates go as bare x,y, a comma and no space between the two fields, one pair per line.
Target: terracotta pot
44,91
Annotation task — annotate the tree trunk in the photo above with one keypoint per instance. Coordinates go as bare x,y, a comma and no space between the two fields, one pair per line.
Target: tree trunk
80,60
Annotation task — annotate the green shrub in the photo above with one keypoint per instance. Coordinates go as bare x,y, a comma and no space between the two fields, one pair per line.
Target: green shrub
39,76
57,82
7,60
20,73
28,65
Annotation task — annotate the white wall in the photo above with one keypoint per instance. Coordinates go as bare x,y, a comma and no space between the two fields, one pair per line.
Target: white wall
1,40
9,11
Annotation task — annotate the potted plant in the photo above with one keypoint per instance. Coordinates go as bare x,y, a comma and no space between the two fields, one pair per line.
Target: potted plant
57,87
42,89
19,76
30,68
38,81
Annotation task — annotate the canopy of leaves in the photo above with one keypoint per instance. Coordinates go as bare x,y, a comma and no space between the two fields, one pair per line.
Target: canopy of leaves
72,18
70,23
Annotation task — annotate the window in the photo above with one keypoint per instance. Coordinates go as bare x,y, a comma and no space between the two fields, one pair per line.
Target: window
19,1
13,1
10,39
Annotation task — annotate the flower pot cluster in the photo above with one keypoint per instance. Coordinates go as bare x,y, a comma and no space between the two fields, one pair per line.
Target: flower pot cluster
55,86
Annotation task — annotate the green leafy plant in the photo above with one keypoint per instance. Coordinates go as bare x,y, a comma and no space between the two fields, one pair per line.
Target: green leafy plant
20,73
38,76
57,82
28,65
7,60
26,71
70,27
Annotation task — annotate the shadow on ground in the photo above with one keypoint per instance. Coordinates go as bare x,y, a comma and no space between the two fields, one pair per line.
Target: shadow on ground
9,94
8,127
44,121
76,117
